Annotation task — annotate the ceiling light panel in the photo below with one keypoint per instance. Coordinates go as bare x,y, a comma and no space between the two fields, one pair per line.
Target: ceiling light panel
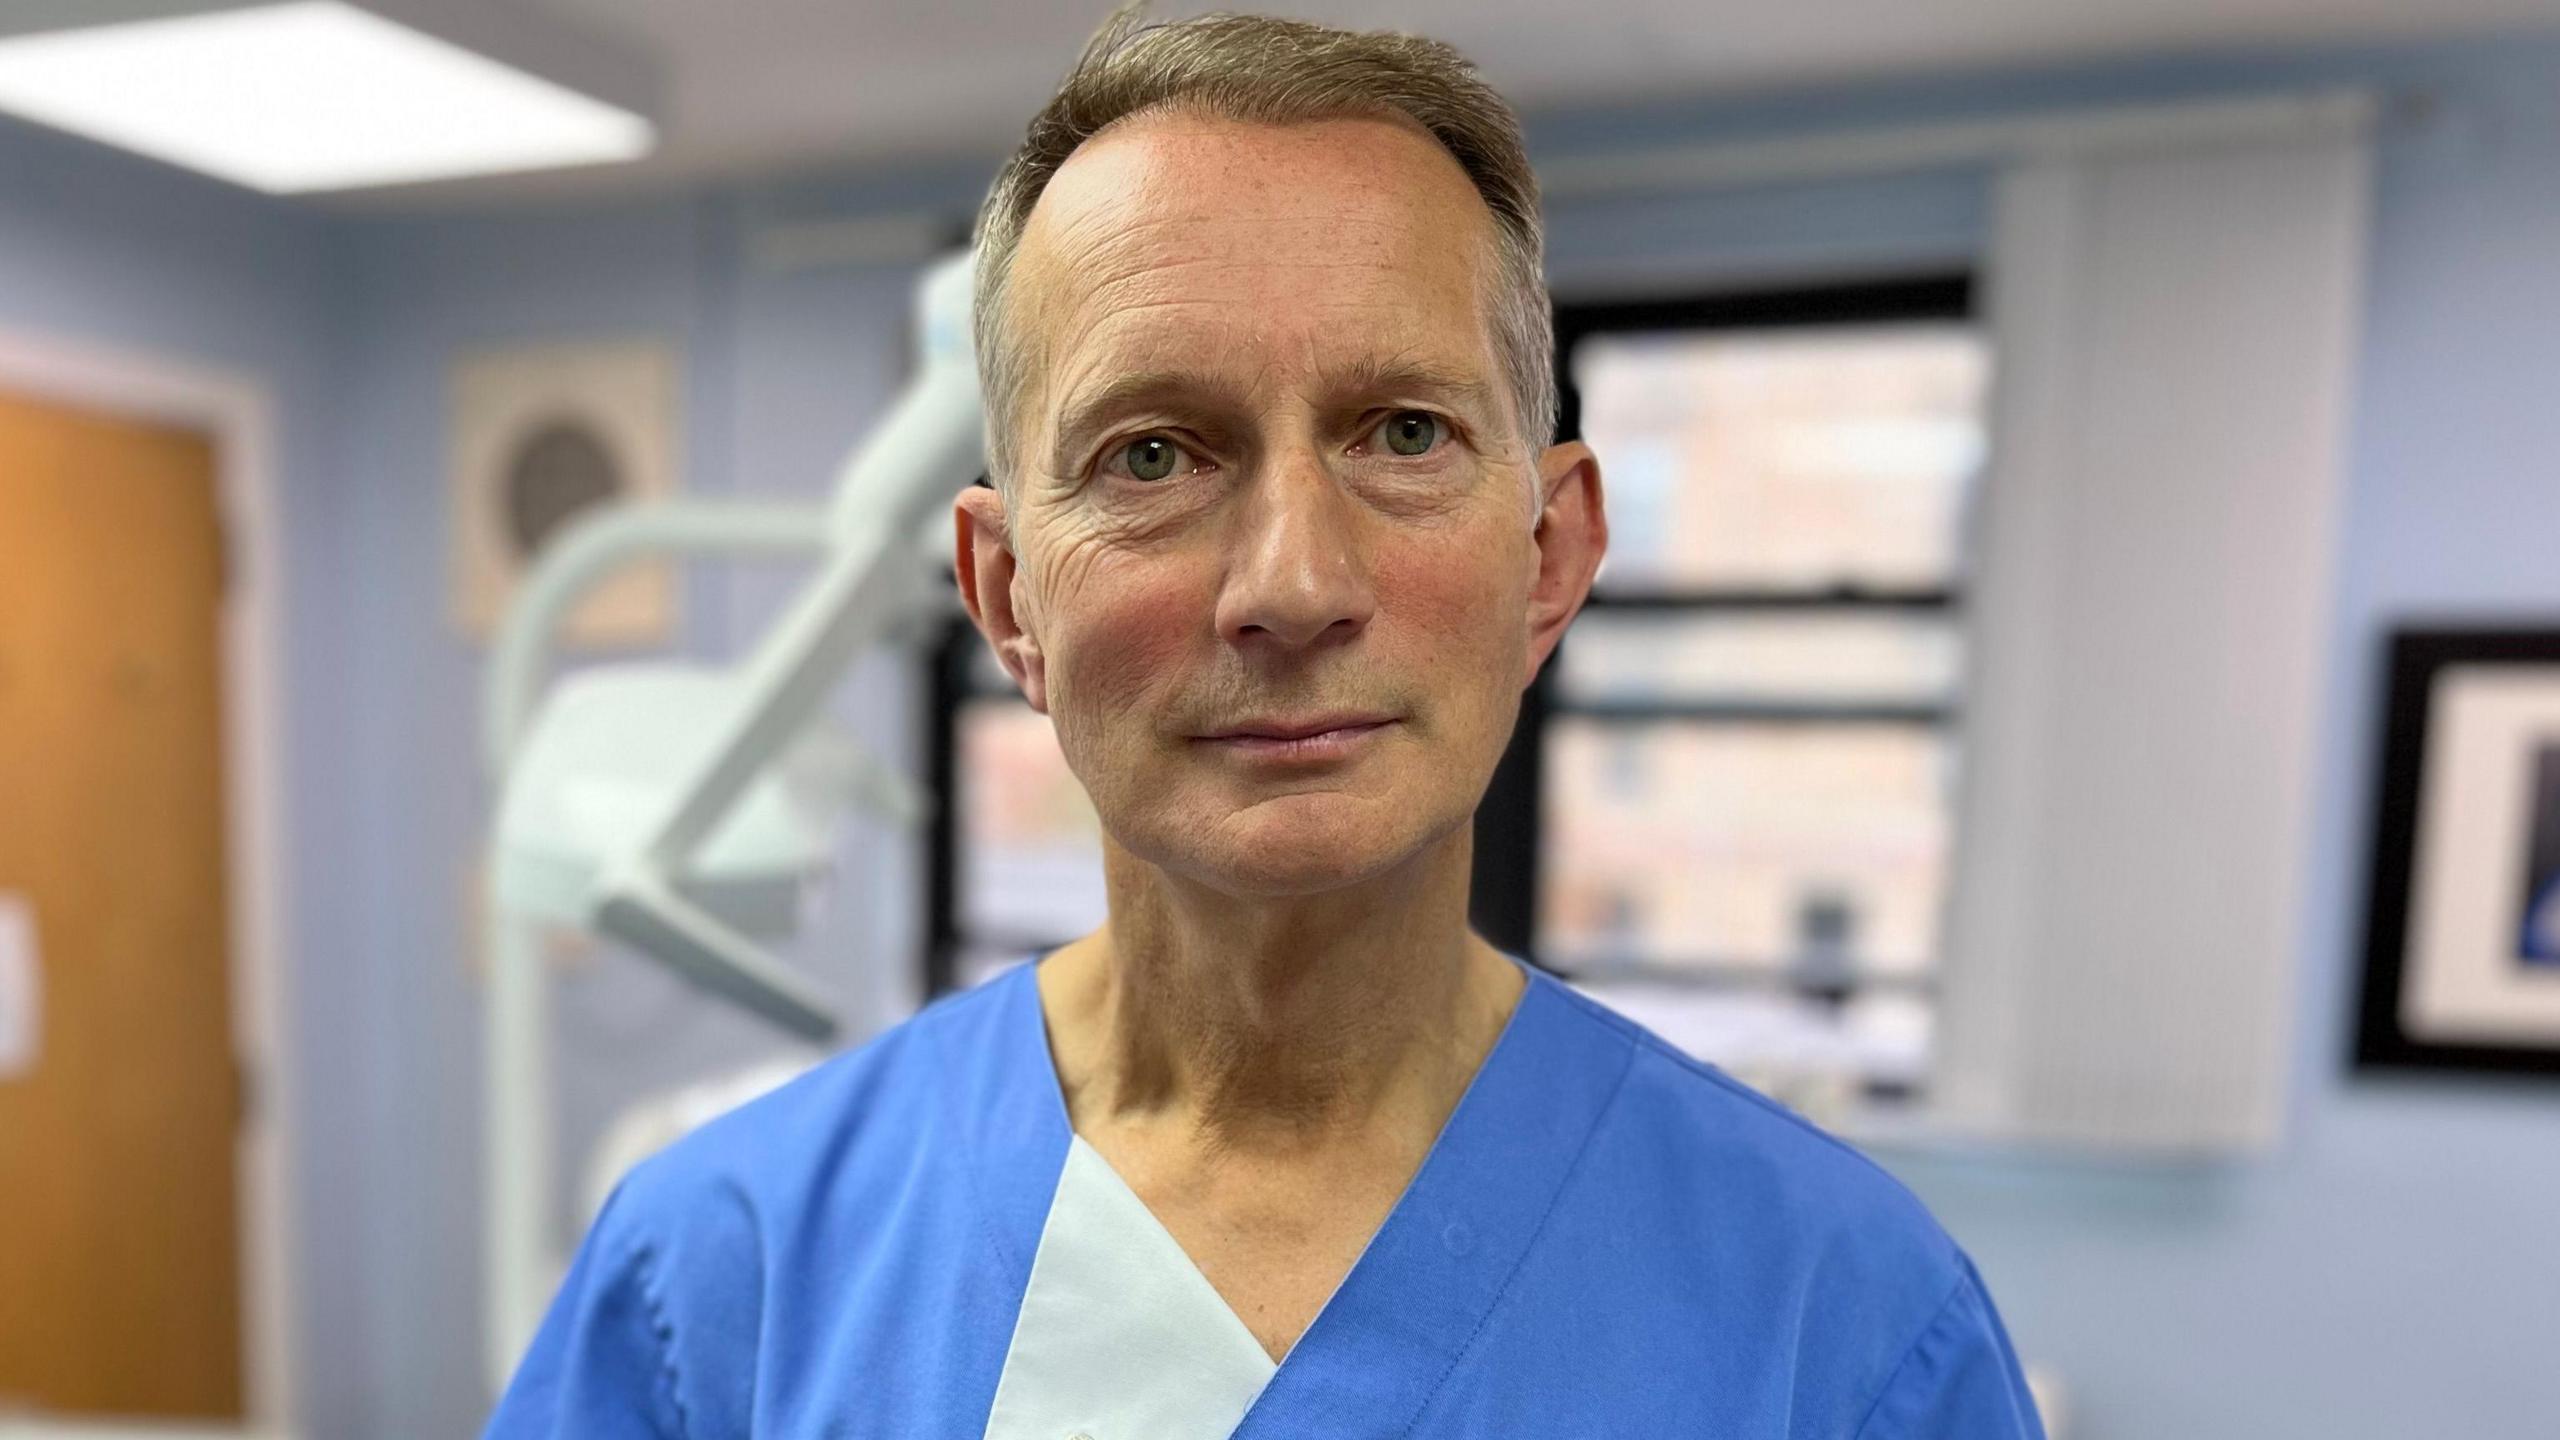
310,95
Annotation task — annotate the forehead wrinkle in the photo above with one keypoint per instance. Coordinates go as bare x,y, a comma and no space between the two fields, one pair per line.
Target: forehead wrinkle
1122,274
1210,319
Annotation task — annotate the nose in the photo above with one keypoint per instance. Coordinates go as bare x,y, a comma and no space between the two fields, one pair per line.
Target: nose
1296,576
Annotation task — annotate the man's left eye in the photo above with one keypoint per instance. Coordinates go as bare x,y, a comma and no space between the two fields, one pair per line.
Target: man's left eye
1411,432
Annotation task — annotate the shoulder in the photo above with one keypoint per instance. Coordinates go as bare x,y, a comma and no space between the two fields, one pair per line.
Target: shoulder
1959,1376
1768,1152
840,1123
1817,1223
707,1244
1762,1208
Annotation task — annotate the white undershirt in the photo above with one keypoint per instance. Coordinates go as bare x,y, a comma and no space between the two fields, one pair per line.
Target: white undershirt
1120,1336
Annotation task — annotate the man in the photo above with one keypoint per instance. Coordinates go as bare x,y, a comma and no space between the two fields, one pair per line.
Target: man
1276,539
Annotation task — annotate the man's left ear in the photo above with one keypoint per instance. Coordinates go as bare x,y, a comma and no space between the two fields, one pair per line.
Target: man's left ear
1572,534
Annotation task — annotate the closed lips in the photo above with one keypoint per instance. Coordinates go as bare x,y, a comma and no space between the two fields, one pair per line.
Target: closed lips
1298,729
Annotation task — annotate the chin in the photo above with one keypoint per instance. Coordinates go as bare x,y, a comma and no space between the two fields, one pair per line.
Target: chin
1281,877
1299,845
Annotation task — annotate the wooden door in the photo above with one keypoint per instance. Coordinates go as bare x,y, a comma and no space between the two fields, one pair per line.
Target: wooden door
119,1288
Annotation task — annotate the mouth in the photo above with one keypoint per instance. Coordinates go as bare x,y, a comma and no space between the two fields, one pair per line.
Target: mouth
1300,738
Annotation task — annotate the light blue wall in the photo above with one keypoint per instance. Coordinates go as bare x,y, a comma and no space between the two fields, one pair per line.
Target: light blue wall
2391,1271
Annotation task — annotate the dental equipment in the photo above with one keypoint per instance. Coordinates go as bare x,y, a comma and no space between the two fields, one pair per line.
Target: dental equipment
682,809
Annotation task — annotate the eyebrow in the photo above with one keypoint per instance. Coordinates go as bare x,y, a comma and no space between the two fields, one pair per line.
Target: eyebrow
1087,415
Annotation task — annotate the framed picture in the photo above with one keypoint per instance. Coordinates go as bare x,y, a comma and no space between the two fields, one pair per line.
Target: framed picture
540,436
2462,941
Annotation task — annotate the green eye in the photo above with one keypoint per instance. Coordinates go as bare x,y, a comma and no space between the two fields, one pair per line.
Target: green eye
1151,457
1411,432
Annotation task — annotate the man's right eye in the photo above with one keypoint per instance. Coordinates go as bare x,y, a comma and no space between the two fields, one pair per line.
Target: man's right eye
1152,457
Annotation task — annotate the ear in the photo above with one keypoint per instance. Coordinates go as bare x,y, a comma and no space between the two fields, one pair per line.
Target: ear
983,560
1572,535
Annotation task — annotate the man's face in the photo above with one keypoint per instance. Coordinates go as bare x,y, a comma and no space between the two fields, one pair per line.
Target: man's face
1272,567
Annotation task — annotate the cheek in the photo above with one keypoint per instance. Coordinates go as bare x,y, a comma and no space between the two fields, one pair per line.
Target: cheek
1117,636
1463,606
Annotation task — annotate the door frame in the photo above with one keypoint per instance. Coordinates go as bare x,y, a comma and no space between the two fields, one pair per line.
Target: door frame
237,409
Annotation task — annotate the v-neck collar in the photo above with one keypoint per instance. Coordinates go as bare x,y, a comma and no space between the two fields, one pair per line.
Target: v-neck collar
1402,1317
1119,1334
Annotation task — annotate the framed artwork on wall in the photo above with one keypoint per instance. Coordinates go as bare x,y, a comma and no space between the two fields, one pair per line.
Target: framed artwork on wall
538,437
2462,935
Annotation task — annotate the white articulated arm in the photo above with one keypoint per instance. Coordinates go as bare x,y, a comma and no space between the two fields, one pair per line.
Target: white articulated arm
928,448
609,832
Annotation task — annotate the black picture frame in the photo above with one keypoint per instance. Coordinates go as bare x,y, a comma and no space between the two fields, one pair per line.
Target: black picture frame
2414,658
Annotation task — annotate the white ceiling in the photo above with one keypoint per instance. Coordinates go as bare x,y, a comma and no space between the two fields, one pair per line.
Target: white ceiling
763,85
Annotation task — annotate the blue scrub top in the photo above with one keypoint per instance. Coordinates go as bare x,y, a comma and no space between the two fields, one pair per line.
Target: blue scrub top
1608,1239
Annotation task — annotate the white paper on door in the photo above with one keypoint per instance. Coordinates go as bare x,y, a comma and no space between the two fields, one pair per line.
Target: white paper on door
21,988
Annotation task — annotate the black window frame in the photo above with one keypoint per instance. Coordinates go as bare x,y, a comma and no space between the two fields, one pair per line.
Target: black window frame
1509,823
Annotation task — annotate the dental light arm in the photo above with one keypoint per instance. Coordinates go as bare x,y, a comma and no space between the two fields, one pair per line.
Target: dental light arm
927,449
645,802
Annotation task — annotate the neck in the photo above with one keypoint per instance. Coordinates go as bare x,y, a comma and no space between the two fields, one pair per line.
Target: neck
1283,1024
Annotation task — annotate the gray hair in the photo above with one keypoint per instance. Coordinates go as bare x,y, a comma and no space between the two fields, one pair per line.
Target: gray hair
1262,69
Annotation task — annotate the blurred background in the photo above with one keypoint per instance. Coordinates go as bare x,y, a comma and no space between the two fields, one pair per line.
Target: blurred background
2073,705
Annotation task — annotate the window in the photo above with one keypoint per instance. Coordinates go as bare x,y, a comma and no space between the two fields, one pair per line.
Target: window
1727,807
1734,786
